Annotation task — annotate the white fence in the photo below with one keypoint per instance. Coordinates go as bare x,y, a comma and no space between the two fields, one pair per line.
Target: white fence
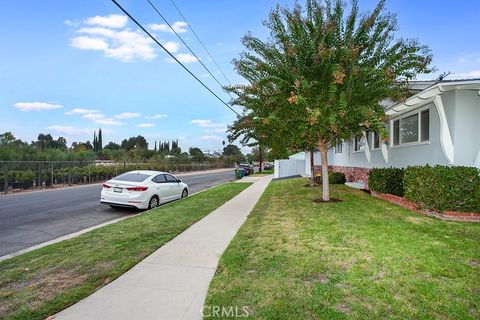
288,168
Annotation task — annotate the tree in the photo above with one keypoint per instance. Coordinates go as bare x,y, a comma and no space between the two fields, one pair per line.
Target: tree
99,140
196,154
233,152
138,142
7,139
322,73
43,141
60,143
112,146
175,150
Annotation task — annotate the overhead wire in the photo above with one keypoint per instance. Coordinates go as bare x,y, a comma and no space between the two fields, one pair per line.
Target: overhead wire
201,42
171,55
185,44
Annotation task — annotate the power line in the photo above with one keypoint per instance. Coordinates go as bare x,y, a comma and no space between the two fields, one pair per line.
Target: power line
201,42
172,56
186,45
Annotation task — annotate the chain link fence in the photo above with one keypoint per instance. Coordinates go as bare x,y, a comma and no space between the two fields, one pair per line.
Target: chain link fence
24,175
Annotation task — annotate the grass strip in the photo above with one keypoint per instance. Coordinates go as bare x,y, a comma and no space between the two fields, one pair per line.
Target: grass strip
356,259
42,282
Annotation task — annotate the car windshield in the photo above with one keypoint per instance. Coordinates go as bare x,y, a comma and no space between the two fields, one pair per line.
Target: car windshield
132,177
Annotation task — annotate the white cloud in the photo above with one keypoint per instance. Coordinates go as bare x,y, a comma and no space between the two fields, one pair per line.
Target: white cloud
172,46
81,111
110,21
462,60
185,58
70,130
93,116
145,125
36,106
178,26
215,138
100,118
127,115
207,123
98,31
109,122
157,116
469,74
88,43
122,44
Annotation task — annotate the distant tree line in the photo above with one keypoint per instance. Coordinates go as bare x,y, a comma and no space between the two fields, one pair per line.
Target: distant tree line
131,149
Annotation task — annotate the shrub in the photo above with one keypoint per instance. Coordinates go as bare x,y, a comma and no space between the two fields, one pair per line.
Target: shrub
387,180
333,178
442,188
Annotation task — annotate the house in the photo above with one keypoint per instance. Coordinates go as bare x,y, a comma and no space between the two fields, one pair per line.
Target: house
438,125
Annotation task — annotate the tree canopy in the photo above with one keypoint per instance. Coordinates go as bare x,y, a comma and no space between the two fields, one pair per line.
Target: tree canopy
323,72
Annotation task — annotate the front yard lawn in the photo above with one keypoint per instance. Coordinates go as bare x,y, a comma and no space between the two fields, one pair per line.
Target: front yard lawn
45,281
360,258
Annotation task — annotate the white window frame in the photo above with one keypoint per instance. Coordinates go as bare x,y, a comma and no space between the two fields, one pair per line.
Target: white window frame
339,143
373,141
419,141
354,143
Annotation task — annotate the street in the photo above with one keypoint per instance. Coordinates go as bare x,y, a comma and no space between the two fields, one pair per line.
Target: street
31,218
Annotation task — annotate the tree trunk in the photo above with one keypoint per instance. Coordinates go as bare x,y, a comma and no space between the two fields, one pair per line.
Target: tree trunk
260,158
325,185
312,169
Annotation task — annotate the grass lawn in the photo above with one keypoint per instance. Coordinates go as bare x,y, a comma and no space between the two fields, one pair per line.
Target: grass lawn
264,172
360,258
45,281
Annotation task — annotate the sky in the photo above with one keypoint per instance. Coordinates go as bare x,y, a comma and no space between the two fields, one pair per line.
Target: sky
71,67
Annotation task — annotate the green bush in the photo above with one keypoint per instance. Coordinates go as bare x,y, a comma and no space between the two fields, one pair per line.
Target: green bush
333,178
387,180
442,188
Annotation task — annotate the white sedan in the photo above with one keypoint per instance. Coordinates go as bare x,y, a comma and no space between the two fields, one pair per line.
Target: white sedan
142,189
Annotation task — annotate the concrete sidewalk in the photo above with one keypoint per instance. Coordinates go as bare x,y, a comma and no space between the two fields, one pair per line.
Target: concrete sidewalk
172,282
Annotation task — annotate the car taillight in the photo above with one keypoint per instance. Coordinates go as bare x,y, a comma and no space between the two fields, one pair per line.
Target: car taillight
106,186
137,188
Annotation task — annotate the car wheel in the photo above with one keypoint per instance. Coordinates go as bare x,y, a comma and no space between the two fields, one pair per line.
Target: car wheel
153,203
184,193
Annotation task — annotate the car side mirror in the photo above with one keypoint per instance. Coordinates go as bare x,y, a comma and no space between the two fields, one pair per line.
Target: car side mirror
178,180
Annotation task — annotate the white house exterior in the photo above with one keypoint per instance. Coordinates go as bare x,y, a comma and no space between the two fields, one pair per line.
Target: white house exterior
440,124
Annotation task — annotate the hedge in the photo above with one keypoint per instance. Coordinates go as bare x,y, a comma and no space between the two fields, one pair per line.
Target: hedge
387,180
333,178
443,188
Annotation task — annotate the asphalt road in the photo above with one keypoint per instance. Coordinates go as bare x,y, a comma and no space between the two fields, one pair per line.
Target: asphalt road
31,218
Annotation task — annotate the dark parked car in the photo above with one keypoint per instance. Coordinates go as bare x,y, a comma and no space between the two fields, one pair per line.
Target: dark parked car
247,167
267,166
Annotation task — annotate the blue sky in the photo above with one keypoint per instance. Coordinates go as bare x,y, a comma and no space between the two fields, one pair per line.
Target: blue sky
70,67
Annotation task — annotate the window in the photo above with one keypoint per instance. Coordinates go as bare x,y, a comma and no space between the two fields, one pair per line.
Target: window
376,140
159,179
396,132
170,178
359,143
339,147
425,125
413,128
132,177
409,129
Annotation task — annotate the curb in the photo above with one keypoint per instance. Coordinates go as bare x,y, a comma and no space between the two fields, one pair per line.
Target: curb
80,232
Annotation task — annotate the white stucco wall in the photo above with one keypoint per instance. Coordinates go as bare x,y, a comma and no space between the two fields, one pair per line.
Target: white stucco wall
466,132
462,110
